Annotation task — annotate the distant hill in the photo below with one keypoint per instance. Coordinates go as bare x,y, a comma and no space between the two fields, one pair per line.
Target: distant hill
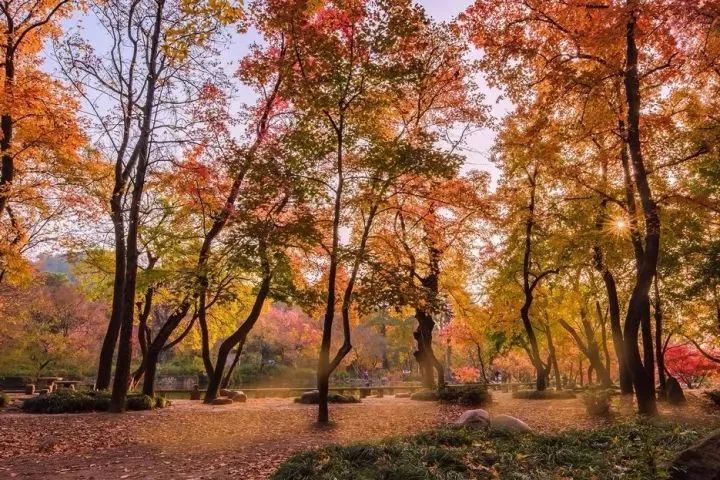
55,264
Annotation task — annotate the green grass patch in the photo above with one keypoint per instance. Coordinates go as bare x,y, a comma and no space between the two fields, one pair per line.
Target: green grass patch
544,395
635,450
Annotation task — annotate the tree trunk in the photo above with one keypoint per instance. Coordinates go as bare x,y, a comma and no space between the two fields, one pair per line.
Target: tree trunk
553,359
228,376
662,379
237,338
7,169
639,301
107,350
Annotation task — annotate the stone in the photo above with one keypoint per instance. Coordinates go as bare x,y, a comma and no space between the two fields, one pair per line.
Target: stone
224,392
195,393
699,462
222,401
507,422
674,392
238,396
473,419
425,396
29,389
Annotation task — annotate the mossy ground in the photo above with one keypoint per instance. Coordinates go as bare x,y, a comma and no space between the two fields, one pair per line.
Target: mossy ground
634,450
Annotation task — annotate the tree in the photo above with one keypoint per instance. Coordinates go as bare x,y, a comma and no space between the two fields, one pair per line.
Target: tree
39,135
156,47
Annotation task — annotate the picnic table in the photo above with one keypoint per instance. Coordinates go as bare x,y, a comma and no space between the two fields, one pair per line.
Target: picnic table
50,382
67,384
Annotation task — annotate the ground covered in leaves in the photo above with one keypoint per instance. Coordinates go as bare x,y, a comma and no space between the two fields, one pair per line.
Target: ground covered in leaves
249,441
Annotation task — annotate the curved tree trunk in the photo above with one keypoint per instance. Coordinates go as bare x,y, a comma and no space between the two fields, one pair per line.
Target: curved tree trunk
237,338
639,305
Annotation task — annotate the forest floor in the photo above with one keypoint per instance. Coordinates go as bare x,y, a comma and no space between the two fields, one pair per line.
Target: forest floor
248,441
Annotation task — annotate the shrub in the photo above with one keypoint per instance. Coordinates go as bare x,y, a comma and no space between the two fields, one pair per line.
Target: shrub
597,402
71,401
543,395
140,402
4,399
714,396
469,395
313,398
67,401
425,396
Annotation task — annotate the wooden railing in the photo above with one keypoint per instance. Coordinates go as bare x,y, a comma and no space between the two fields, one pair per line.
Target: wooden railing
362,392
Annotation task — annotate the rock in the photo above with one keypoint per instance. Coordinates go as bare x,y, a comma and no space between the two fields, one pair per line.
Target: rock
402,395
699,462
222,401
29,389
224,392
673,392
506,422
238,396
195,394
473,419
425,396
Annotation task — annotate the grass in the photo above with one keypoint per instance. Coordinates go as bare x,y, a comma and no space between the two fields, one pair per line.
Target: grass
634,450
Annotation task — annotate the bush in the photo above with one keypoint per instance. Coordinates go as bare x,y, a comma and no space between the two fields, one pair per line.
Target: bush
597,402
4,399
425,396
543,395
71,401
468,395
68,401
313,398
140,402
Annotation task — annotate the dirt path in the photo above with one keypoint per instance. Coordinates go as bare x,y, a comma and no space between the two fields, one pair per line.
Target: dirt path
246,441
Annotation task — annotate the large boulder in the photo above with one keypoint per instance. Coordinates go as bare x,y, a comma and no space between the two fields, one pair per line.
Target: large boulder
473,419
222,401
237,396
506,422
674,392
699,462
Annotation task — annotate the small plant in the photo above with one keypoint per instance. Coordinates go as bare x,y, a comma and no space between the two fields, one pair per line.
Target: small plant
543,395
597,402
468,395
4,399
714,396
